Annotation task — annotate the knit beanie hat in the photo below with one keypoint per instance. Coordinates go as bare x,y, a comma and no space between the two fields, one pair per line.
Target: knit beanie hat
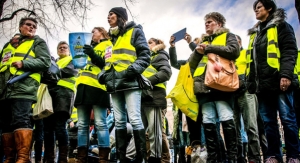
120,11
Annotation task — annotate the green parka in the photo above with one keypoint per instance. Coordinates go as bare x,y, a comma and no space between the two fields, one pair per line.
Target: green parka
26,88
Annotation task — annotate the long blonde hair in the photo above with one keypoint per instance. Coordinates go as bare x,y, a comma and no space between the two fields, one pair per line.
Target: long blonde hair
103,31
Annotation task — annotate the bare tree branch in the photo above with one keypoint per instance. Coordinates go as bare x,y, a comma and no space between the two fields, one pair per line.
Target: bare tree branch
52,15
15,13
132,2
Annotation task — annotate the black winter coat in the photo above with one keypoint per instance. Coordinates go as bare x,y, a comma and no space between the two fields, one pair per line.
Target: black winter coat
268,78
127,79
62,97
88,95
158,94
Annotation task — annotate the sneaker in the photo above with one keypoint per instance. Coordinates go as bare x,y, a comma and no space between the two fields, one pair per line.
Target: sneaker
293,160
271,160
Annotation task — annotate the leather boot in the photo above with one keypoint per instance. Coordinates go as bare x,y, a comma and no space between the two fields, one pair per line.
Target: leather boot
165,155
211,139
140,145
23,138
8,143
49,154
63,154
121,144
82,155
182,155
230,140
154,160
245,151
71,160
103,155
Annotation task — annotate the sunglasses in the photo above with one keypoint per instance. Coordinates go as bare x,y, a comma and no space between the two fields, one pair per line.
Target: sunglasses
29,25
63,47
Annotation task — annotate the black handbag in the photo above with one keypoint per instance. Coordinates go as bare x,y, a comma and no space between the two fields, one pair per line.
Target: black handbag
52,75
144,83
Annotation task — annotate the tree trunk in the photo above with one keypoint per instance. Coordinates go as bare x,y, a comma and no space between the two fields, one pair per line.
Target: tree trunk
1,7
297,5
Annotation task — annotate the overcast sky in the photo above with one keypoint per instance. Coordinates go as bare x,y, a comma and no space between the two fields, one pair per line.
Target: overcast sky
162,18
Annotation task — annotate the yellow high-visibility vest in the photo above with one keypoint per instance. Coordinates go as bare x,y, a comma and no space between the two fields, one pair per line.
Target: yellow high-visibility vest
74,115
66,82
273,52
150,71
220,41
297,67
123,53
20,52
88,75
7,52
241,63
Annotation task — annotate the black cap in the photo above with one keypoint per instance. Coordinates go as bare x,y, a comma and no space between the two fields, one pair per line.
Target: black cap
120,11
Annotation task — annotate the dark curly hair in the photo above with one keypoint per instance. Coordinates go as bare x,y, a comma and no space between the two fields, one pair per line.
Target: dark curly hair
217,17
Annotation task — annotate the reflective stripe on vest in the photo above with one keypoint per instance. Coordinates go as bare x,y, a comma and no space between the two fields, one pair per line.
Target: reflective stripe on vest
123,53
150,71
273,52
88,75
220,41
7,55
241,63
297,67
74,115
20,52
66,82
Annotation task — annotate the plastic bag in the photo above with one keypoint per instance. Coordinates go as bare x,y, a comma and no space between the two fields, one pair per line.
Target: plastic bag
43,108
182,95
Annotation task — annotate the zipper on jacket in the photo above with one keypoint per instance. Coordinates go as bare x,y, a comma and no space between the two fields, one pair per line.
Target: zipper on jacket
256,79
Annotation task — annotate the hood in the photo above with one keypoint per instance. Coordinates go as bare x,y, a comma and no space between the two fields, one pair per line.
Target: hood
158,47
206,37
162,51
132,24
278,17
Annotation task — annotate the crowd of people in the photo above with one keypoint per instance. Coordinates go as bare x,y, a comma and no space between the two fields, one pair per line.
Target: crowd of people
118,59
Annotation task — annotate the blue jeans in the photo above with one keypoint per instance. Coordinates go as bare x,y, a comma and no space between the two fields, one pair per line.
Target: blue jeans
84,112
243,132
127,102
269,105
203,143
38,138
216,109
15,114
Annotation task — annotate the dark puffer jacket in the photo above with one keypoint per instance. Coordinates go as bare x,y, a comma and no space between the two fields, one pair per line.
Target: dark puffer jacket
268,78
230,51
161,63
127,79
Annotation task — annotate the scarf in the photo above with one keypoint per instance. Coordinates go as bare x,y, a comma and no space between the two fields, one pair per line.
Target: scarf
114,30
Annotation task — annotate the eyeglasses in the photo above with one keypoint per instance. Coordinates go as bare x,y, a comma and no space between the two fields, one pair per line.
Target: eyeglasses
63,47
29,25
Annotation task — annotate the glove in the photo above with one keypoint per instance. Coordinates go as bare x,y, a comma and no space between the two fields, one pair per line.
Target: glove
88,50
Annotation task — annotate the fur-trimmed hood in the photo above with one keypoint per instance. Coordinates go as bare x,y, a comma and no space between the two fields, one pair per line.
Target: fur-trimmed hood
206,37
158,47
278,17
